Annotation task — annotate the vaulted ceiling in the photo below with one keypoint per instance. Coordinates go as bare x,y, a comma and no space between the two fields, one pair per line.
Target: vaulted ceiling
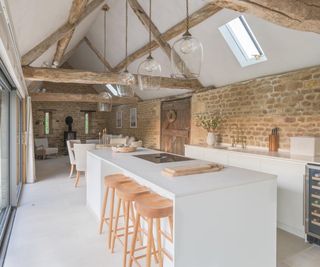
286,49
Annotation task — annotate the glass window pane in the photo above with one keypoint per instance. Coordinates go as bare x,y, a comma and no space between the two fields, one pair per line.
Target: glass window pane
242,42
112,89
46,122
19,140
86,123
4,153
244,38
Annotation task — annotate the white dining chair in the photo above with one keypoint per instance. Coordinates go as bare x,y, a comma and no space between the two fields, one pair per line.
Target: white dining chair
92,141
80,153
70,144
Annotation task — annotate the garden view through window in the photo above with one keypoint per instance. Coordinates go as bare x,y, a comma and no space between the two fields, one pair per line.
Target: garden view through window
47,122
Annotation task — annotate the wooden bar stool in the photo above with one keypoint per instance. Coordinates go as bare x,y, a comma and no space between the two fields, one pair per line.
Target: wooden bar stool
127,193
152,208
110,183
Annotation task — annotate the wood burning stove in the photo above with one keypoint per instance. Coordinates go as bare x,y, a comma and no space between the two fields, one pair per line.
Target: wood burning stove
69,135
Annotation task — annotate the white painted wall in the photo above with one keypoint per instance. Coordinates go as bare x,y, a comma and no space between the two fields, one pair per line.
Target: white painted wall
35,20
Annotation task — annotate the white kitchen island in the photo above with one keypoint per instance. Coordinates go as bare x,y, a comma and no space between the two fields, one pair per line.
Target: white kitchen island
221,219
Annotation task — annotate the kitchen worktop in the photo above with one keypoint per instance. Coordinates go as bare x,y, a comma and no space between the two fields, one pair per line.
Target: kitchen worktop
262,152
217,210
151,173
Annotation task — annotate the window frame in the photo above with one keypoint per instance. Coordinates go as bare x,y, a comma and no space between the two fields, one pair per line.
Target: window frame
86,122
236,46
45,122
111,88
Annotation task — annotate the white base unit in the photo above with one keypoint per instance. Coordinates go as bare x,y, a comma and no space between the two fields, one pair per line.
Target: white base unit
225,218
290,177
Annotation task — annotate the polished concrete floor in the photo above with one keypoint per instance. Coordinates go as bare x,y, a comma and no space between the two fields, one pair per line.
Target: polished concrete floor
53,228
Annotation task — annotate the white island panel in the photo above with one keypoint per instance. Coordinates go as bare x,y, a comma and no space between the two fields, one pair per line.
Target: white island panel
232,227
220,218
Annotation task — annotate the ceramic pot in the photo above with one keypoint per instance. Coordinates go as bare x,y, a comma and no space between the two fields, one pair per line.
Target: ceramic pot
211,139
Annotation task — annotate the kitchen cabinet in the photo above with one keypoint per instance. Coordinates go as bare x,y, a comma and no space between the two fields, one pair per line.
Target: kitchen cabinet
290,177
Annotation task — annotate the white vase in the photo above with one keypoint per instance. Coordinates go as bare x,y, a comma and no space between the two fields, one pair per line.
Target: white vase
211,139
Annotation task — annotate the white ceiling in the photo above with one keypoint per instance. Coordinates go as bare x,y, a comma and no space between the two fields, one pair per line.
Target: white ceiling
285,49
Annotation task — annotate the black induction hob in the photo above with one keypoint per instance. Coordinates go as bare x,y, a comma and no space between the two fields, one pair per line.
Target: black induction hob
162,157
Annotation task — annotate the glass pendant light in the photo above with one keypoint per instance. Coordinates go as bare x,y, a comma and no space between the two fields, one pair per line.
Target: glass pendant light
106,102
149,70
126,90
186,54
106,98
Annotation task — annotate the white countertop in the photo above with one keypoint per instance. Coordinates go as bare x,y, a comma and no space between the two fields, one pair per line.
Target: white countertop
182,185
265,153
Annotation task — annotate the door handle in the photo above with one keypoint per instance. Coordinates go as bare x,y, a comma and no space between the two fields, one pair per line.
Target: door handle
304,199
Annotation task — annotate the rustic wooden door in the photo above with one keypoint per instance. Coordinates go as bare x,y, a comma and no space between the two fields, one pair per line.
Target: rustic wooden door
175,125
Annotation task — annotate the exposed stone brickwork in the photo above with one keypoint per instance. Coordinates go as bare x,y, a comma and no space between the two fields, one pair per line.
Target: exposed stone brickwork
289,101
60,110
148,128
71,88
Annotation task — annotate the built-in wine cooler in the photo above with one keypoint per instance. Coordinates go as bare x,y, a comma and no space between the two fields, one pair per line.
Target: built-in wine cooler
312,203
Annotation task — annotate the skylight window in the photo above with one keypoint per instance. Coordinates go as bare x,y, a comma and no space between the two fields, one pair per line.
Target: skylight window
112,89
242,42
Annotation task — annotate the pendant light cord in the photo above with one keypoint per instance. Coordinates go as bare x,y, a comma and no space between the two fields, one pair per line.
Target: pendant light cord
187,8
150,28
126,69
105,38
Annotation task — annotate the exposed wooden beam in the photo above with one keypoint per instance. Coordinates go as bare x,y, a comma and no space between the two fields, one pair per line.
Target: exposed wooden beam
303,15
76,10
145,20
195,18
44,45
71,76
98,54
149,25
88,77
90,98
33,86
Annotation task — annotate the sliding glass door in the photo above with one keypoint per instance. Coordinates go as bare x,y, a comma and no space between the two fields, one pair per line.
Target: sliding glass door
18,134
10,152
4,154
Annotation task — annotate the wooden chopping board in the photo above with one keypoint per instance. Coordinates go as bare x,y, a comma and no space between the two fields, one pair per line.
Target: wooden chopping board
194,169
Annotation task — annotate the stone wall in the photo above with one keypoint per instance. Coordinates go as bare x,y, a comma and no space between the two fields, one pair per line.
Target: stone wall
288,101
148,126
60,110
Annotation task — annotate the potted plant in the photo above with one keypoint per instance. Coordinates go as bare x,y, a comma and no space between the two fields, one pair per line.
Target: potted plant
210,123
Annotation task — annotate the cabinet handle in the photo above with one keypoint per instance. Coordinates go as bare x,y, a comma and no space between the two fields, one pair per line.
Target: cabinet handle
304,199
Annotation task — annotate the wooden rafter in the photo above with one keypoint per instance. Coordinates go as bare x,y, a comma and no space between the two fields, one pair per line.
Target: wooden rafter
76,10
149,25
88,77
103,60
303,15
44,45
195,18
90,98
33,86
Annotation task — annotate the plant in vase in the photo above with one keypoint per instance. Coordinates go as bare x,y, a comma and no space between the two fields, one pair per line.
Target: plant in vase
210,123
